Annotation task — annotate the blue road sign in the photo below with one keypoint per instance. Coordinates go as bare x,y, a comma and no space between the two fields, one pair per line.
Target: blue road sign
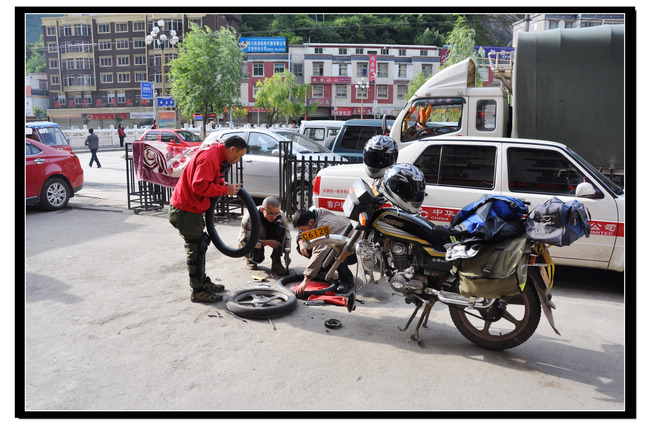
166,101
146,90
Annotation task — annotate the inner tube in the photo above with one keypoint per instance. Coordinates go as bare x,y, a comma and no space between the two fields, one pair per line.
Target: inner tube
256,224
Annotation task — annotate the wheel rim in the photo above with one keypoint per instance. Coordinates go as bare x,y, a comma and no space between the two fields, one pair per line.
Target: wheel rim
56,194
260,299
499,325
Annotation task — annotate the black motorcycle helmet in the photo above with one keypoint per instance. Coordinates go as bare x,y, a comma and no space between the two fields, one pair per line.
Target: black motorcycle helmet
379,153
403,184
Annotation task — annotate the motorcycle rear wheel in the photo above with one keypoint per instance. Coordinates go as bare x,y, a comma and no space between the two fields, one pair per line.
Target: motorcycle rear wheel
496,329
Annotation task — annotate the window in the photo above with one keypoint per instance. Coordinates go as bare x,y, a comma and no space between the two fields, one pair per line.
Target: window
362,70
140,76
341,91
103,28
361,94
122,44
139,60
68,63
441,115
343,51
358,50
278,67
71,80
51,31
458,165
123,60
318,50
195,21
382,70
423,52
427,70
382,92
343,70
61,99
384,51
52,47
355,137
110,97
318,68
151,136
124,77
401,70
553,24
139,43
104,45
541,171
317,91
261,145
54,80
297,69
168,136
66,30
486,115
105,61
121,98
88,99
121,27
82,29
402,53
258,69
84,63
401,91
138,26
54,64
106,78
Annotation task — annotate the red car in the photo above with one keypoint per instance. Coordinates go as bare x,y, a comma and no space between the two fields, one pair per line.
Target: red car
182,138
52,176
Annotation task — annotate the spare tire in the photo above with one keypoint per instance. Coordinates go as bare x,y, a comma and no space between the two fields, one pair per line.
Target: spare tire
255,226
261,302
293,280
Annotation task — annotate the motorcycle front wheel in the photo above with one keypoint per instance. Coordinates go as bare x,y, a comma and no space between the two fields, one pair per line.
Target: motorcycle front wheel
498,329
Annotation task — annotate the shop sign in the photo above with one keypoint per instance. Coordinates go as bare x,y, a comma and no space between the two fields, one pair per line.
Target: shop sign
109,116
331,80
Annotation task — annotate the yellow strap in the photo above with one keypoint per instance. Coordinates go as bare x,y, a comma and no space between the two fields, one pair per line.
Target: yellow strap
542,249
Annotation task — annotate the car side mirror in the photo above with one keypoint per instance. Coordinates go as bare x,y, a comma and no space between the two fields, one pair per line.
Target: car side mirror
586,190
173,141
276,152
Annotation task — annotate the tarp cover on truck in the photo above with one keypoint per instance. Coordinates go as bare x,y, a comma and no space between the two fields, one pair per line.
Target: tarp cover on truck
568,87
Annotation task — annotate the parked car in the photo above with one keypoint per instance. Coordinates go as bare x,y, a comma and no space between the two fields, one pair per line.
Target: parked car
354,134
52,176
461,170
48,133
261,164
182,138
321,131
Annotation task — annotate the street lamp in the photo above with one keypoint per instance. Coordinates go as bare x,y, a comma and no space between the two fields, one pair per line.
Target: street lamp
161,36
363,86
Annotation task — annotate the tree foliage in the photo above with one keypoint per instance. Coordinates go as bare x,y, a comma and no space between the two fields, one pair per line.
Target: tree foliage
282,96
35,57
207,72
417,82
462,43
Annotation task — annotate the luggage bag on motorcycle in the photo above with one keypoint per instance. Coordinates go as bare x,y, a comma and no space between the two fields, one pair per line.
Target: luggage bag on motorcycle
498,270
557,223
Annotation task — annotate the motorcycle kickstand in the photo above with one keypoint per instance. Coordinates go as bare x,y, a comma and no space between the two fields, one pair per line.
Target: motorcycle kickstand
424,319
417,308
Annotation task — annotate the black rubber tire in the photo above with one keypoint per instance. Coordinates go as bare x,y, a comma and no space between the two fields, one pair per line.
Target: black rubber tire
262,302
55,194
287,283
255,227
481,333
298,189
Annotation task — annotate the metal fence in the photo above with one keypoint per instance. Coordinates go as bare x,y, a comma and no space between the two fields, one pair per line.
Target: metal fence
297,175
146,196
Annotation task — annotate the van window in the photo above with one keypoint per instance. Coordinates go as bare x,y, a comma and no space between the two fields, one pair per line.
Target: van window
541,171
315,134
486,115
52,136
458,165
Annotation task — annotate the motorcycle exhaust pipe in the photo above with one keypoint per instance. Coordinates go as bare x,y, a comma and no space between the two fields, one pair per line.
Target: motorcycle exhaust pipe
452,298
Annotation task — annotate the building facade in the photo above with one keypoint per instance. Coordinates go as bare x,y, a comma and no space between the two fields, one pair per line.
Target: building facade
36,94
96,63
545,21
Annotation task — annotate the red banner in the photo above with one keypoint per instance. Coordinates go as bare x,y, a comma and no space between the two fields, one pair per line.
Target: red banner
123,116
372,67
331,80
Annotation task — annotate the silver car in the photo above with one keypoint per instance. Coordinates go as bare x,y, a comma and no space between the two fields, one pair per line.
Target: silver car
261,164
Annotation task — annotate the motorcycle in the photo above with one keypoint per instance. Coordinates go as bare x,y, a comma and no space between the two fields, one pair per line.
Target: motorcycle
408,252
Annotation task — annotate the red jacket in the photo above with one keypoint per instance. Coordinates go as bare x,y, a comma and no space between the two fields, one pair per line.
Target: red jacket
201,179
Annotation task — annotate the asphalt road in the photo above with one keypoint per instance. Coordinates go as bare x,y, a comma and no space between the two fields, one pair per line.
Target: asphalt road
109,327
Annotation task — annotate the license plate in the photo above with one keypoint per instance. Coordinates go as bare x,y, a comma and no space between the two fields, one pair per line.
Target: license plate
319,232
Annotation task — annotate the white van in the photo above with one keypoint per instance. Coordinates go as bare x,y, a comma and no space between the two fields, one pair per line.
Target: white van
321,131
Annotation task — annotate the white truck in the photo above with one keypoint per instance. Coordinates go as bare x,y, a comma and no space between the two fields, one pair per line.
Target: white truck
566,85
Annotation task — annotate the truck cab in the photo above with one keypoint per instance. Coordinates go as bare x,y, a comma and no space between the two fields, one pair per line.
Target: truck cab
449,103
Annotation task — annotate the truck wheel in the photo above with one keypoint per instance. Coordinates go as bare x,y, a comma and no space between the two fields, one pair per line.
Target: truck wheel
210,217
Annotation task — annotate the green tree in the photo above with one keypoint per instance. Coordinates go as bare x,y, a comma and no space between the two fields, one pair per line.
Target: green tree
34,57
461,42
205,77
282,96
39,112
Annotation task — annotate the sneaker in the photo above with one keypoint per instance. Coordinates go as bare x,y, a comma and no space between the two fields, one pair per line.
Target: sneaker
210,287
250,264
277,267
201,295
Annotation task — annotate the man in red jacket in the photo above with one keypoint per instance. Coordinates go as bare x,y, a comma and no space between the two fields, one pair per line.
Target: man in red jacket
201,180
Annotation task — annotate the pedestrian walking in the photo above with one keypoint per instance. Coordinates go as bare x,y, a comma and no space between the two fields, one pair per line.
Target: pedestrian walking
121,134
92,142
201,180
